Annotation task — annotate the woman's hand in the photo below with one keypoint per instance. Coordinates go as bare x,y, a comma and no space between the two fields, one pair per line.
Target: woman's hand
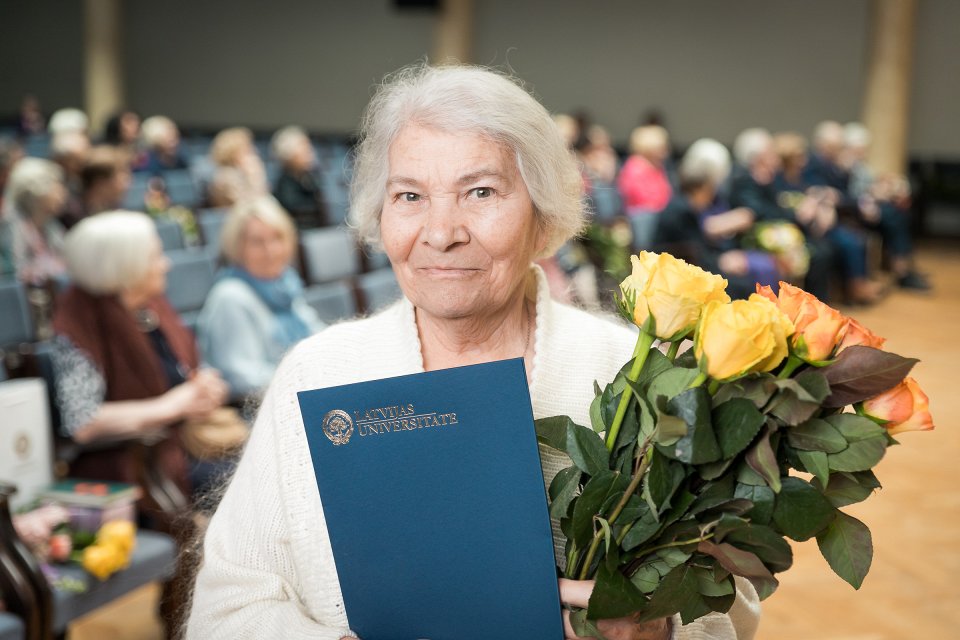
198,396
576,593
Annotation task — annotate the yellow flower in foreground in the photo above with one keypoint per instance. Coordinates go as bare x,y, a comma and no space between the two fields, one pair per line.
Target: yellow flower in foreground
741,337
669,295
103,560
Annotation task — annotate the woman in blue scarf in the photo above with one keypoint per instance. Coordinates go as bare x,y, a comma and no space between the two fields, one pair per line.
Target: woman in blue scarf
256,310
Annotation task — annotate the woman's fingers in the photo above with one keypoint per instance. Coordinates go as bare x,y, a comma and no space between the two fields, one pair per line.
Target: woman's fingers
575,593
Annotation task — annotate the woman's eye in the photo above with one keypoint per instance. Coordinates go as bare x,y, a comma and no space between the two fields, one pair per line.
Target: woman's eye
482,192
409,196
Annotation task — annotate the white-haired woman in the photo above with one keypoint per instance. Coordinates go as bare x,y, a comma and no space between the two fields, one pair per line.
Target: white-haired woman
124,363
161,137
31,237
298,188
464,180
256,311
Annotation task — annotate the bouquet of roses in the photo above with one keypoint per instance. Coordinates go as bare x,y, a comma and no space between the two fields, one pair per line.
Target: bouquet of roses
693,481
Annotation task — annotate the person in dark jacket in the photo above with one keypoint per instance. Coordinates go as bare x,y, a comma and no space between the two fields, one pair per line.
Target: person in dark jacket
298,187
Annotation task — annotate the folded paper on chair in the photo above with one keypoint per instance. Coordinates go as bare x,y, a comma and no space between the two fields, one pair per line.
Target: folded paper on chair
434,499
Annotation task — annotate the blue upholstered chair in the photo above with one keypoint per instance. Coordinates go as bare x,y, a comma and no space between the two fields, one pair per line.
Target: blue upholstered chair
378,289
332,301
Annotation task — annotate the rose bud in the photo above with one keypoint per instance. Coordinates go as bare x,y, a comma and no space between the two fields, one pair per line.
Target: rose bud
902,408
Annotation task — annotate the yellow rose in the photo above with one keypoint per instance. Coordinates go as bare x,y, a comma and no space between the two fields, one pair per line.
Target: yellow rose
103,560
741,337
668,295
119,533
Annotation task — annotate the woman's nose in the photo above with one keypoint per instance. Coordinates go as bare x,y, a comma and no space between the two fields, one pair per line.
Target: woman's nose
445,226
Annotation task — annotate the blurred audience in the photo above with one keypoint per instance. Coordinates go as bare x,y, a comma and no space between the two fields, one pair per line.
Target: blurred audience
31,237
123,132
68,120
298,186
233,149
30,118
256,311
69,149
161,137
643,181
10,152
105,178
125,366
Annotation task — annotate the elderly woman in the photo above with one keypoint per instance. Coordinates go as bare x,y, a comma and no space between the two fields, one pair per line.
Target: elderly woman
161,137
464,180
298,187
233,149
256,310
31,237
124,363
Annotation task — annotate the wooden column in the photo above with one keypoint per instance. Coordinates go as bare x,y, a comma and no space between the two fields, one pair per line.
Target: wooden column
103,84
453,37
886,100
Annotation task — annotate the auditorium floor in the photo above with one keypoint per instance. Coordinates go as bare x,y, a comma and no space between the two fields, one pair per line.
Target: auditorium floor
913,588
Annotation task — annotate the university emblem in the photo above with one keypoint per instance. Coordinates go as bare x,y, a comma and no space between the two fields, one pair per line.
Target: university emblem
338,426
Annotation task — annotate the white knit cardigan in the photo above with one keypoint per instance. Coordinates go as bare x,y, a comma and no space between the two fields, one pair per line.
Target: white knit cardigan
268,569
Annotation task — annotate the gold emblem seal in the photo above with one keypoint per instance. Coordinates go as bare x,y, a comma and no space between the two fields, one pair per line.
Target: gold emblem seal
338,426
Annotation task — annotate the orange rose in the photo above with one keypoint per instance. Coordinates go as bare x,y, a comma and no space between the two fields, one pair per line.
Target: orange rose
855,334
818,327
903,408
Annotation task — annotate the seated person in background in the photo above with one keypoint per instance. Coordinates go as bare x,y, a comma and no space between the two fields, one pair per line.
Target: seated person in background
31,237
884,205
123,132
69,150
234,149
256,310
10,153
67,120
843,232
124,364
752,186
600,165
105,178
643,180
298,187
685,230
162,140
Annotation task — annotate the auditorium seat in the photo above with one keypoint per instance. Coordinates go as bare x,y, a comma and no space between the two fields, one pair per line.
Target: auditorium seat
181,189
171,235
332,301
16,326
329,254
191,276
211,225
378,289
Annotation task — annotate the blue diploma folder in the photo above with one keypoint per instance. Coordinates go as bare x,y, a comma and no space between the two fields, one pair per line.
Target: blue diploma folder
433,494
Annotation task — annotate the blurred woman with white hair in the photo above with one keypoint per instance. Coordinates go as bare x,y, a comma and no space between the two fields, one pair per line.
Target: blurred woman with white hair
256,311
696,227
298,188
161,137
464,179
125,365
31,237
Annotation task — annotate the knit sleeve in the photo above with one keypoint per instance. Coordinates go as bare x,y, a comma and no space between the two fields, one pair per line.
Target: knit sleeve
248,585
80,387
740,623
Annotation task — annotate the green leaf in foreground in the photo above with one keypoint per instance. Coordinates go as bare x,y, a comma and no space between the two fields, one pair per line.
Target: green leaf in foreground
816,435
801,511
586,449
552,432
849,488
848,548
614,596
738,423
563,490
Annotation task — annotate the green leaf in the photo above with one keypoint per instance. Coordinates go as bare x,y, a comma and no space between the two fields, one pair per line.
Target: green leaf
629,430
607,533
861,372
848,548
758,389
861,455
793,404
596,415
765,543
669,429
849,488
713,470
582,626
663,478
736,423
761,458
762,498
635,508
710,587
676,589
742,563
563,489
646,578
815,462
552,432
815,384
726,524
595,493
641,531
854,427
699,445
800,511
586,449
671,383
614,596
816,435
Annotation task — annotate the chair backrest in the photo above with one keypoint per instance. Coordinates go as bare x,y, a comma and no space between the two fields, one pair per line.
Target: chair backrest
16,326
133,200
329,254
190,279
332,302
643,223
171,235
211,224
378,289
181,188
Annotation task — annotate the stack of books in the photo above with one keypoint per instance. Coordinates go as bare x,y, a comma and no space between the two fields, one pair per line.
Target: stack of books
91,503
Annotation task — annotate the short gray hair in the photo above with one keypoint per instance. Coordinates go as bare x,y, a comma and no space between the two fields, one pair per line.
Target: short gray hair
110,252
706,160
751,143
30,179
68,119
155,129
283,144
265,209
471,99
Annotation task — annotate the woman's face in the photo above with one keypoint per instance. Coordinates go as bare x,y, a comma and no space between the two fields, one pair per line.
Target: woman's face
154,282
458,223
265,253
